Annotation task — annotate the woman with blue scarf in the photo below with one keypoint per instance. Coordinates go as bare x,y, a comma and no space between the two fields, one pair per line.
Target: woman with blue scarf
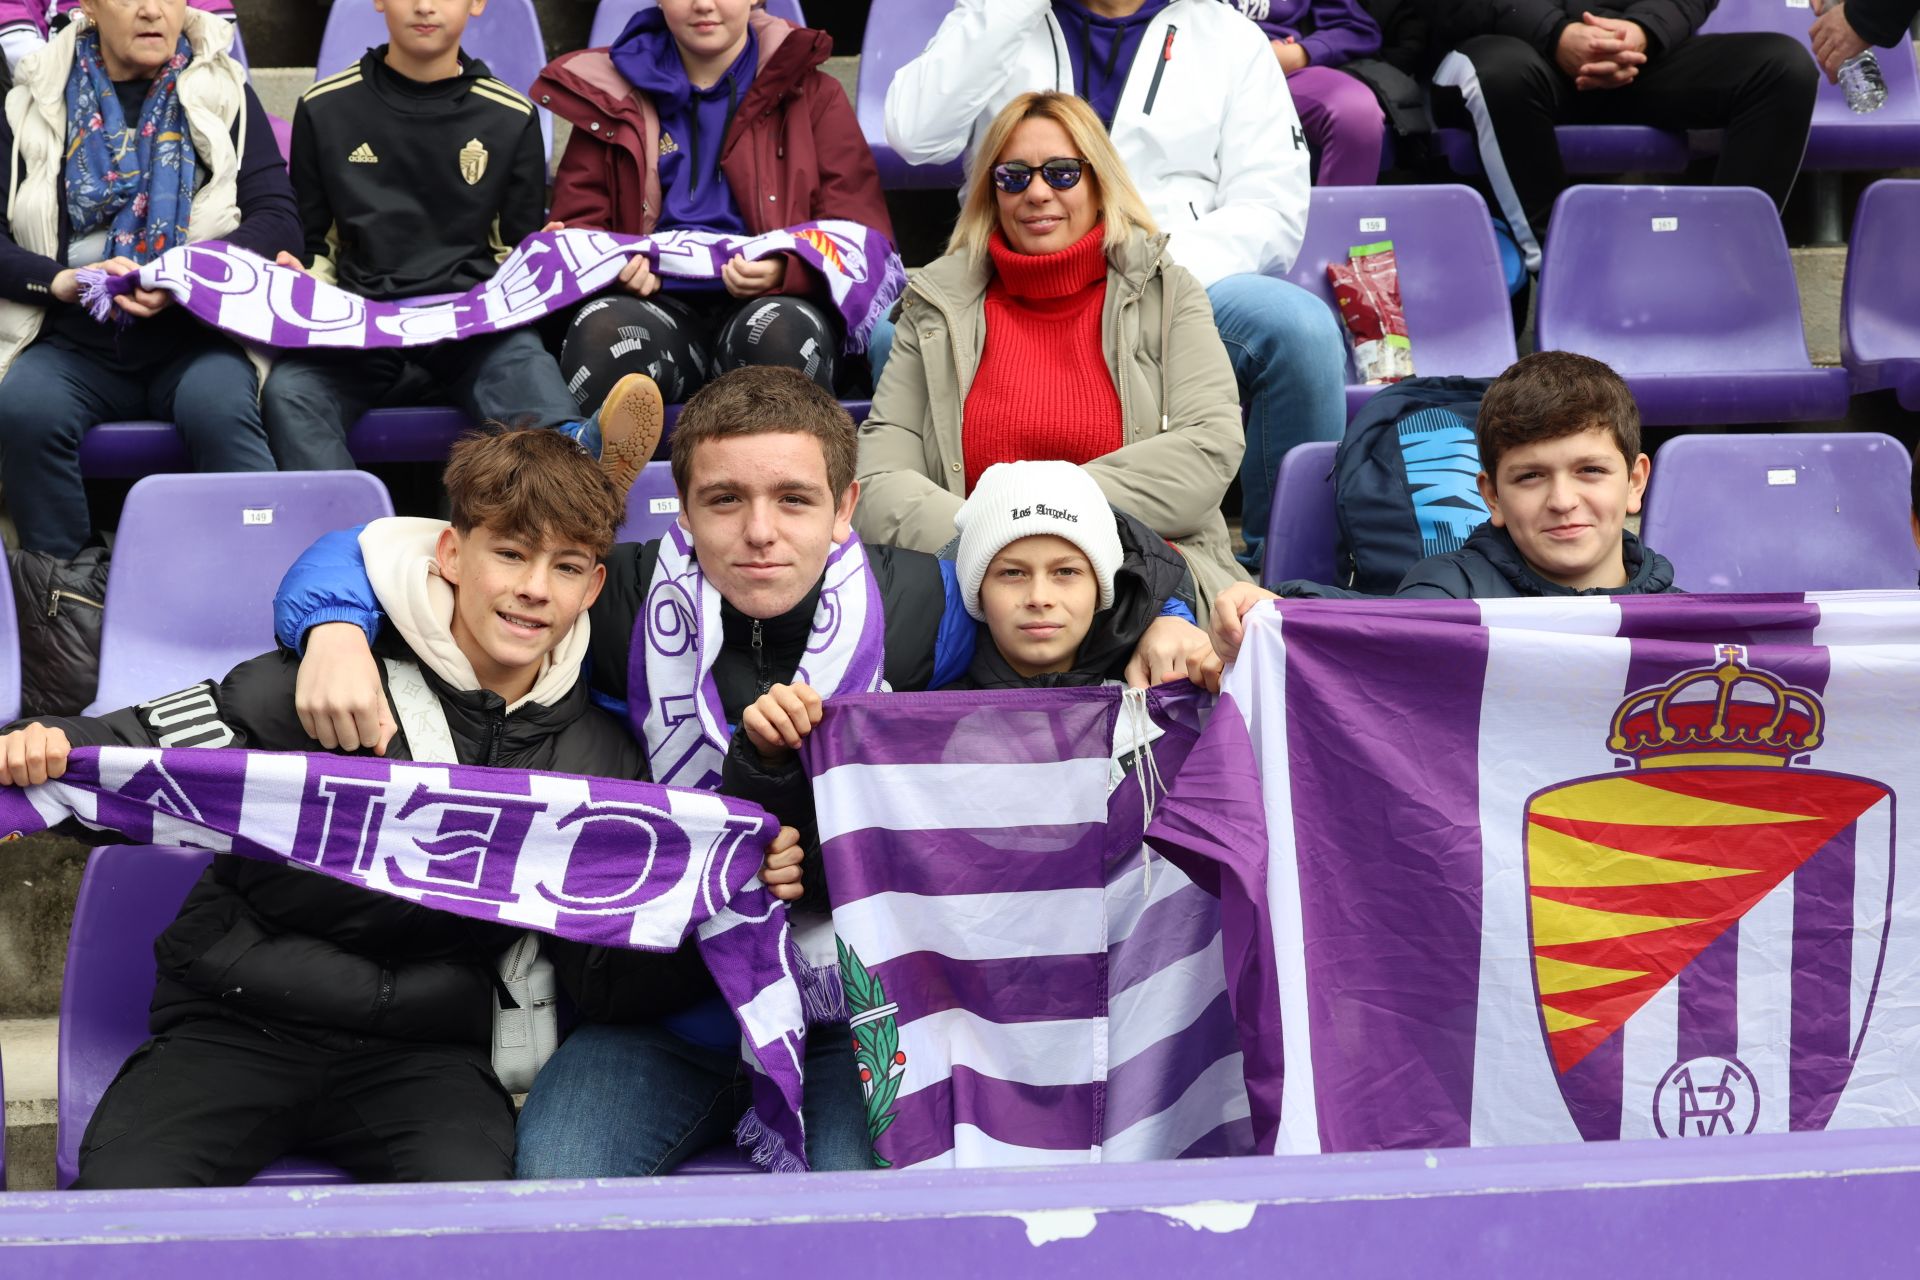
131,132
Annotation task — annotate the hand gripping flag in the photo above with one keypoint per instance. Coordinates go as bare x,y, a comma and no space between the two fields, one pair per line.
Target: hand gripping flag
1540,871
550,271
596,860
1026,983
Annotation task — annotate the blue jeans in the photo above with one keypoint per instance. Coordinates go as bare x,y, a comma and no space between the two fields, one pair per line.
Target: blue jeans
633,1101
1291,363
54,392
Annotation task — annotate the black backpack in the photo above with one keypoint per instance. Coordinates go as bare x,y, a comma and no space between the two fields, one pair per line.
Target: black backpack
1404,480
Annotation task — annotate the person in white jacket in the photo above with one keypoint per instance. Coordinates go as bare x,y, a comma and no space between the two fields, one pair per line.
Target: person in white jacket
1199,110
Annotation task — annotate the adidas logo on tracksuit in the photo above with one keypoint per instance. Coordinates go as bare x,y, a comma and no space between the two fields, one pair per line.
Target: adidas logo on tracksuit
363,154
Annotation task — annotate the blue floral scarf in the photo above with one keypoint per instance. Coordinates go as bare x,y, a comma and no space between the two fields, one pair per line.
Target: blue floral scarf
138,180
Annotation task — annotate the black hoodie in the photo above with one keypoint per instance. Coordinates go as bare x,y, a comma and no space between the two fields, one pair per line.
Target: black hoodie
1490,567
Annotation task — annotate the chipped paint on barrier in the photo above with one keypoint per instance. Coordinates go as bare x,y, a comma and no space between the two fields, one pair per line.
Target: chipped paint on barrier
1044,1226
1218,1216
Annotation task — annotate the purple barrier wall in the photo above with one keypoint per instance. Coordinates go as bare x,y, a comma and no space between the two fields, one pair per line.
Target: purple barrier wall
1782,1205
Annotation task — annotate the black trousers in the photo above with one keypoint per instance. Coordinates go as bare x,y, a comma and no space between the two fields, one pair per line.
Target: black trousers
1758,87
682,341
311,398
211,1103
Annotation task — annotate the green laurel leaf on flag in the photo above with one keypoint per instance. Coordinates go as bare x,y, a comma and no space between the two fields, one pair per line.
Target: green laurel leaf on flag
876,1045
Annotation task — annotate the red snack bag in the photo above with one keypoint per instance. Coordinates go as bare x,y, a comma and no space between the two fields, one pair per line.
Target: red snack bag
1367,287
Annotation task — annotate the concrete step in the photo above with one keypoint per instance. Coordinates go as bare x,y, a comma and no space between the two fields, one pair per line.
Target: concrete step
39,880
29,1055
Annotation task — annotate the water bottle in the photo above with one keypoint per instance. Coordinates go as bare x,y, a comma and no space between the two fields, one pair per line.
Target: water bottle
1865,87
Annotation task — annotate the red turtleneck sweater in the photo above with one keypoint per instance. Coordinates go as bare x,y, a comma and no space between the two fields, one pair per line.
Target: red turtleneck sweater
1043,390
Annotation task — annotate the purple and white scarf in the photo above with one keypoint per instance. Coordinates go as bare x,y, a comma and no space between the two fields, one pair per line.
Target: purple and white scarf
595,860
676,640
257,301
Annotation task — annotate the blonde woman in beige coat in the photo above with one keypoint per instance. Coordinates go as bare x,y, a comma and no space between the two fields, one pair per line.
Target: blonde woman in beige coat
1177,440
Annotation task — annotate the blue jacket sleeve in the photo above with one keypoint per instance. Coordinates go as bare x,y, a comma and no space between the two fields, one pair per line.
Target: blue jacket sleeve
328,583
953,643
1174,607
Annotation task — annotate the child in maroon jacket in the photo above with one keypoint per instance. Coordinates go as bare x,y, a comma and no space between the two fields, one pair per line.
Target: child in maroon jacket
707,115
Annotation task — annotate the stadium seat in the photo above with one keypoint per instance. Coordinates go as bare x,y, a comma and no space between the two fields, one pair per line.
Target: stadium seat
282,137
1804,512
1451,284
1303,533
1885,139
1585,149
506,37
610,17
652,504
128,894
1880,306
9,667
190,589
1689,293
887,47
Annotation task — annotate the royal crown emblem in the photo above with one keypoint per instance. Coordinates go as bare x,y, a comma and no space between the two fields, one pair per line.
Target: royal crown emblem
1660,900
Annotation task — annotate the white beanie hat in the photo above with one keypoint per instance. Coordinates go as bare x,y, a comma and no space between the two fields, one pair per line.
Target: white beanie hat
1015,500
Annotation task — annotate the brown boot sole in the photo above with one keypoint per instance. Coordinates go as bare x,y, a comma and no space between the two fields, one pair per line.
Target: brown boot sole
631,420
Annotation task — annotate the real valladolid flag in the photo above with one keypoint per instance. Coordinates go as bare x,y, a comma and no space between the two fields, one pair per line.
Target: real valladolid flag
1543,871
1025,983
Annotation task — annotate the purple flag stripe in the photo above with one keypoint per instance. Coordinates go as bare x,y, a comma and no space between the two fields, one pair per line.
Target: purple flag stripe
1049,1117
1154,1079
1387,834
1019,726
1171,929
1234,1138
1732,619
1710,1000
1820,1055
1592,1090
1023,989
948,862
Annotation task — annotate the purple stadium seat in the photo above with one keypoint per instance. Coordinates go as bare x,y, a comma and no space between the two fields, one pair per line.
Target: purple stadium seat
128,894
1689,292
1586,149
282,137
506,37
652,504
1451,284
1806,512
1880,308
888,46
724,1158
9,669
610,17
1303,533
1885,139
190,591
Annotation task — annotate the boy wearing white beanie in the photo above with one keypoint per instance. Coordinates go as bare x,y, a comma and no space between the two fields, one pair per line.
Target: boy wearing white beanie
1064,585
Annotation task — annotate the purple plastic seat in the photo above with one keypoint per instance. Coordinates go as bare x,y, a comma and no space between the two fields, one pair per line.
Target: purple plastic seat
888,46
717,1160
1689,293
1303,533
506,37
1586,149
653,504
1451,284
610,17
190,590
128,894
9,669
1885,139
1805,512
1880,307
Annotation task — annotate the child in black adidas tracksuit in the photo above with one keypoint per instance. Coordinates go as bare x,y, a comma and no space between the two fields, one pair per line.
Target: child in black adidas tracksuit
416,173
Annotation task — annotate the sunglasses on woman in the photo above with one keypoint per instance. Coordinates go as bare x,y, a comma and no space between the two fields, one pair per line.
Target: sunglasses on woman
1062,173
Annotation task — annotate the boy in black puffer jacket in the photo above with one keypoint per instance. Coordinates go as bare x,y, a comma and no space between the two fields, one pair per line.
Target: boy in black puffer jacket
294,1012
1561,470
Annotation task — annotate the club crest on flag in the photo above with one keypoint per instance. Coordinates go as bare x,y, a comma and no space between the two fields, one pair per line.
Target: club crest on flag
1718,898
876,1044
